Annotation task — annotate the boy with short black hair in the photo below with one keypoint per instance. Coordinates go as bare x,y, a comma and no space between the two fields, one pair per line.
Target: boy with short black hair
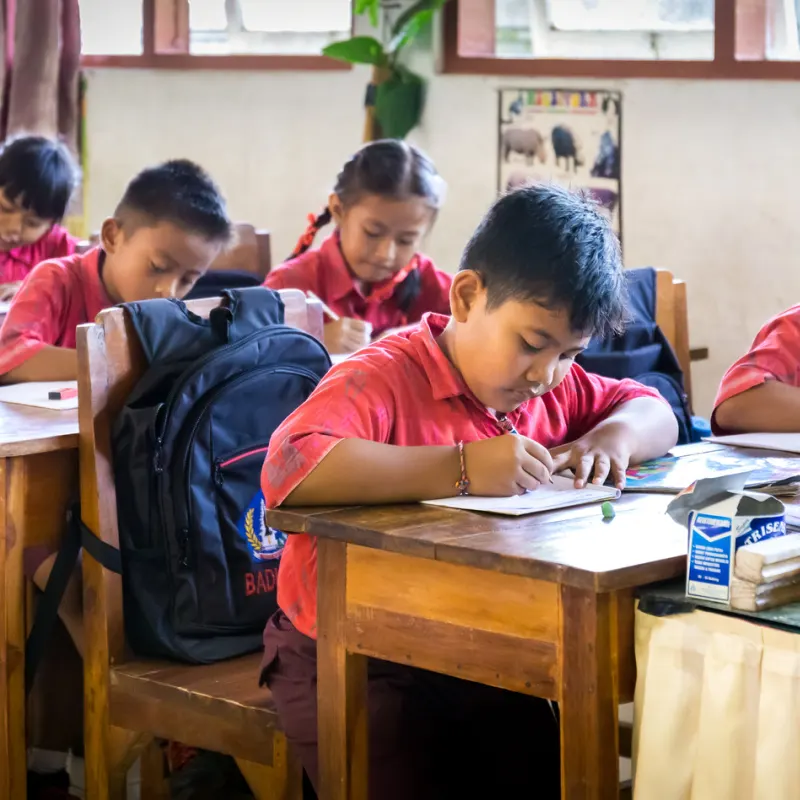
38,176
487,402
169,226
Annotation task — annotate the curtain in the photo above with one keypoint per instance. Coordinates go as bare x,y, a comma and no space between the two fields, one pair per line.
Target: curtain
40,61
717,709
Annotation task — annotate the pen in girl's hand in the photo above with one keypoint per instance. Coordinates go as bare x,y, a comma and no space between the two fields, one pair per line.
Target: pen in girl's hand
327,310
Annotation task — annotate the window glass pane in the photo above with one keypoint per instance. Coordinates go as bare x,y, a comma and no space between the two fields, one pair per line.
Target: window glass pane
111,28
299,27
647,30
769,30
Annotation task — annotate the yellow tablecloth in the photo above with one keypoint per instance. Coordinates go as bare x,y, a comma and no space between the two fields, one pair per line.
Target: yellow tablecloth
717,709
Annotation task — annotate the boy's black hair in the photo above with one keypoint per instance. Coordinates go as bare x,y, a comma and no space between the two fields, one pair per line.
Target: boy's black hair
546,244
180,192
38,174
388,168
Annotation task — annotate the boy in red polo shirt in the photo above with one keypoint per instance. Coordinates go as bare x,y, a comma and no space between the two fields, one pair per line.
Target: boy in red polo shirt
487,401
761,391
369,271
37,179
167,229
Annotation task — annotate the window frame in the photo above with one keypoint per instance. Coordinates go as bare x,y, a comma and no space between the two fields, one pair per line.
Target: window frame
165,45
749,36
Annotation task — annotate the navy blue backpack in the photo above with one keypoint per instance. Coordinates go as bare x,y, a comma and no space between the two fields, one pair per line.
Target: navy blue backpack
199,564
643,353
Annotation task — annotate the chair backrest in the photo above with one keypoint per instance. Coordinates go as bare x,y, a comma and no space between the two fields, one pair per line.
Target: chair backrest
672,316
249,252
110,362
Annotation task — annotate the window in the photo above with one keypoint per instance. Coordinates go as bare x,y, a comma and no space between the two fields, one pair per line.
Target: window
285,34
605,29
115,33
225,27
624,38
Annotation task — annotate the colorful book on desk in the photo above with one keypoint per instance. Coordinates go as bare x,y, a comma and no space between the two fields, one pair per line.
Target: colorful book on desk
560,494
671,474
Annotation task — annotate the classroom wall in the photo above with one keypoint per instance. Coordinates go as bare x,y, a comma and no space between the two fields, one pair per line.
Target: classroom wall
708,170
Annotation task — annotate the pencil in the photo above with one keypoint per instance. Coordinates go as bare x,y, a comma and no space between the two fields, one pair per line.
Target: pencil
325,308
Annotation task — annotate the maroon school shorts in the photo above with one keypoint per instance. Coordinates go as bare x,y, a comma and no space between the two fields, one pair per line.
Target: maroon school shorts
430,736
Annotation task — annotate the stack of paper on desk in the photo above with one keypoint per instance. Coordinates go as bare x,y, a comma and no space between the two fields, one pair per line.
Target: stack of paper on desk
560,494
767,574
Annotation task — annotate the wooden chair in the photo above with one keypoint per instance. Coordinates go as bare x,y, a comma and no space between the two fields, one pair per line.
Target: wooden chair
672,316
127,700
249,252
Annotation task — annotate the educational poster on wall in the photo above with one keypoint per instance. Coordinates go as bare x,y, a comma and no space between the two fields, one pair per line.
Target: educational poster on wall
568,136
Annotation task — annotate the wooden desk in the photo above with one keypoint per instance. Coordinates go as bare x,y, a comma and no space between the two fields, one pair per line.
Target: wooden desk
541,605
38,478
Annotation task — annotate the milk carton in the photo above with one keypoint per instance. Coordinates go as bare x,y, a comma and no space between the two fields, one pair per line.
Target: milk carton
721,517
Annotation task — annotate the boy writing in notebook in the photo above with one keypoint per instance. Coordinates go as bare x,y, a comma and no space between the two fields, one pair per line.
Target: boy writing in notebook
169,226
167,229
488,402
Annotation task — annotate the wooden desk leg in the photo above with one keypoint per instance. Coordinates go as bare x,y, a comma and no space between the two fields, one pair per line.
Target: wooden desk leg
35,491
6,541
589,701
341,685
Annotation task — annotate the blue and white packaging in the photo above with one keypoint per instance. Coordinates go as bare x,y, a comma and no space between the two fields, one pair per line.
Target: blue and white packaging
720,517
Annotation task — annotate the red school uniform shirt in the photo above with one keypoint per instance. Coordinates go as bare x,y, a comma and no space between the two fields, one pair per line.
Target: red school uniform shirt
773,356
325,273
55,298
403,390
16,264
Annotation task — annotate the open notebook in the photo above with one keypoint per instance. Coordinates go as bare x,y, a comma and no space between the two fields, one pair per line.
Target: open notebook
36,394
786,442
560,494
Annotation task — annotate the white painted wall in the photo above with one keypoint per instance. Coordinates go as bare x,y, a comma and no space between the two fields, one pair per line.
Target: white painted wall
709,170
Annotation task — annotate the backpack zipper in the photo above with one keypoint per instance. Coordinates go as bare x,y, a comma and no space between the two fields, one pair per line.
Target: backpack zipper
220,465
179,484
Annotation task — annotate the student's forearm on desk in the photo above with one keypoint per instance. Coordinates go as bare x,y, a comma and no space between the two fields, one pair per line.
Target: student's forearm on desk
48,364
360,471
772,407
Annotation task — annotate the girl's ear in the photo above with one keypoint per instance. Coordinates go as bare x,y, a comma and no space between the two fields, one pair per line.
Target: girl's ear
336,208
466,292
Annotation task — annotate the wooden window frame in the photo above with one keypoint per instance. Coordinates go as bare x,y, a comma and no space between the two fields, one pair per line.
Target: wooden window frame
739,26
165,45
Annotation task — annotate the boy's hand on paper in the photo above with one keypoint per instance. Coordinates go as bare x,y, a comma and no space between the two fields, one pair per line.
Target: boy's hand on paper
347,335
506,465
596,456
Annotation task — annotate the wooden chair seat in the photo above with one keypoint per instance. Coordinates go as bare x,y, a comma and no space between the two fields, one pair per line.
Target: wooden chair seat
221,704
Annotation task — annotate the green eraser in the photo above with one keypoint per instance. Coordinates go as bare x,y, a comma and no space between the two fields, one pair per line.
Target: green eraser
608,511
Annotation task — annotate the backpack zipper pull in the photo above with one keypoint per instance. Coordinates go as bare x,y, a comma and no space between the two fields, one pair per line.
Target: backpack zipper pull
219,478
158,466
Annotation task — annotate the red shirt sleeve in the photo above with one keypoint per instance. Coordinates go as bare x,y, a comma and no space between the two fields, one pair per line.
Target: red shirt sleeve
592,398
36,315
774,356
299,273
434,292
351,402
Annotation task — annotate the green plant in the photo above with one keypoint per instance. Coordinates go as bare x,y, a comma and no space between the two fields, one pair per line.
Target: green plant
399,93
